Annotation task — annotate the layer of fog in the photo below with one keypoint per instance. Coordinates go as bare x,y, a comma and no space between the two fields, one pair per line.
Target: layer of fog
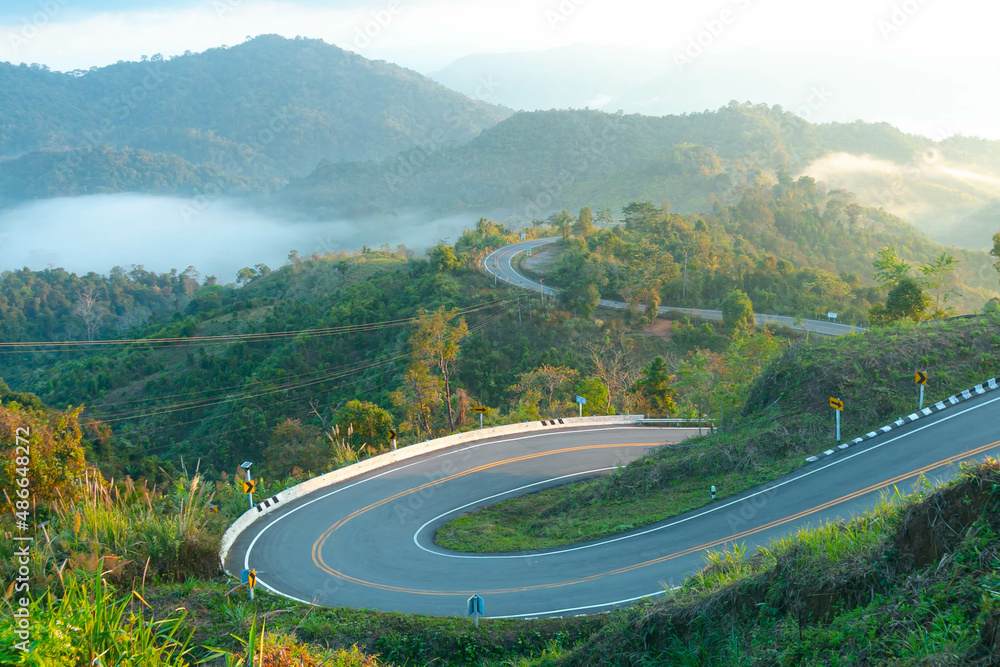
97,233
936,195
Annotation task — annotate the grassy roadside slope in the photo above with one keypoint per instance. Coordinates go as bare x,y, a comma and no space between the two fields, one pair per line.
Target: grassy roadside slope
915,581
785,419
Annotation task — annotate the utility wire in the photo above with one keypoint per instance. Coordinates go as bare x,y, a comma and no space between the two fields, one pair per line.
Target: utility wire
187,341
331,374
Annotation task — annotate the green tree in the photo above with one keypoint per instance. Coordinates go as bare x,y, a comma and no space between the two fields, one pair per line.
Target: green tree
53,442
418,397
435,344
696,380
737,313
295,445
369,424
907,301
563,221
890,268
655,387
937,275
442,257
995,252
596,392
584,225
548,381
580,277
244,276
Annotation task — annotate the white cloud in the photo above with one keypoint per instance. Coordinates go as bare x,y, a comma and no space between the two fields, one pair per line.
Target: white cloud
960,30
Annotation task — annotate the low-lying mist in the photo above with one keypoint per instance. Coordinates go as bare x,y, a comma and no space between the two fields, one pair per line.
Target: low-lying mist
96,233
950,202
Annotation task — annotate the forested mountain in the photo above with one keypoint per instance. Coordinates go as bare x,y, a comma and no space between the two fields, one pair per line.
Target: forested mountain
794,249
87,171
536,161
269,107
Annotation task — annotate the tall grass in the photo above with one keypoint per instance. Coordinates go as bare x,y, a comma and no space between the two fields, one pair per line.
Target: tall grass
814,548
258,649
158,534
89,623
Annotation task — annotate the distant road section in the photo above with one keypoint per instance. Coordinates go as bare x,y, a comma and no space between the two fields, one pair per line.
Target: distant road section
501,264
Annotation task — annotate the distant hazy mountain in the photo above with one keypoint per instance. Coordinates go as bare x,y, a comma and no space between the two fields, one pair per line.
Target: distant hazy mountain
572,77
537,162
818,87
271,107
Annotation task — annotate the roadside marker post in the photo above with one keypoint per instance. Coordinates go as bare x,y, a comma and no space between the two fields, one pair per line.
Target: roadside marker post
250,485
921,379
480,410
582,401
838,407
476,608
249,578
713,492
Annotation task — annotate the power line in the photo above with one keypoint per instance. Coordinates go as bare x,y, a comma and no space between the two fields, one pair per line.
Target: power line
478,327
153,411
188,341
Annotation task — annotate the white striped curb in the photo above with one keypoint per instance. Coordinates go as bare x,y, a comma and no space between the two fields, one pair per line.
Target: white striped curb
282,498
954,399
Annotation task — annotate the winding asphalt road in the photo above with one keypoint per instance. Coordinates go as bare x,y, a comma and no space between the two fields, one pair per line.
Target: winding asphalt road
368,542
500,263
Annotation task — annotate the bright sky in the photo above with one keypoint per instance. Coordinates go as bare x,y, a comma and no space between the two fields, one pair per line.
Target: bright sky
428,34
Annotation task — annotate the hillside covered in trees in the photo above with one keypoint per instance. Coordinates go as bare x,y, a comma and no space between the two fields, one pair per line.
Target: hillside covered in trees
534,162
268,108
793,248
356,137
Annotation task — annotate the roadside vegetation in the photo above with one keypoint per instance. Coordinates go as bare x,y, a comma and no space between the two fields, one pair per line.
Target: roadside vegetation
914,581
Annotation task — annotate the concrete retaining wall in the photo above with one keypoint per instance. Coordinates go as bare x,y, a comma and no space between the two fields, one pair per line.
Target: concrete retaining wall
282,498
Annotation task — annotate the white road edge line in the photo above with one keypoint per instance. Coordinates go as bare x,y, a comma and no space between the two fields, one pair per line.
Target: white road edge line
766,489
246,558
630,535
590,606
495,495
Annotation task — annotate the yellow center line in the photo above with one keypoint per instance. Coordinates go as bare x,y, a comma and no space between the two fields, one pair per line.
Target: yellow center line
318,545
